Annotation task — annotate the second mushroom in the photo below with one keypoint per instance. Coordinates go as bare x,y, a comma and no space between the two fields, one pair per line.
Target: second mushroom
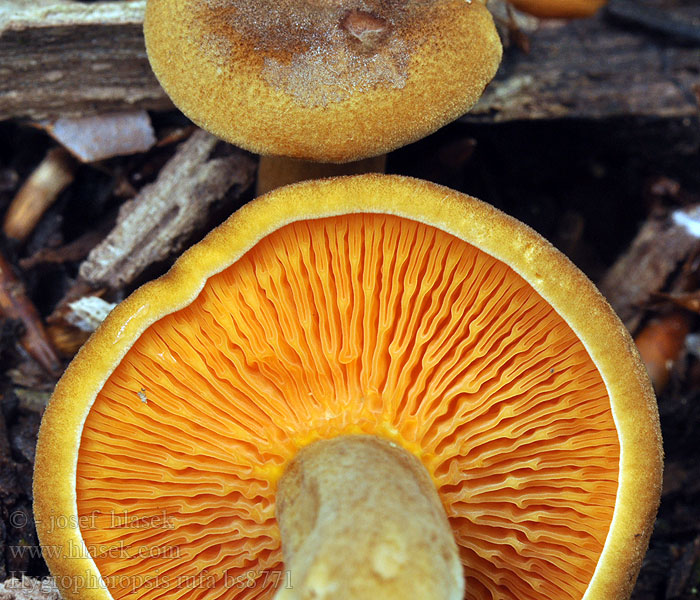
368,387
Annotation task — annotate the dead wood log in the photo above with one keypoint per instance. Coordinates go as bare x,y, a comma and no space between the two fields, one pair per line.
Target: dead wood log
594,69
67,58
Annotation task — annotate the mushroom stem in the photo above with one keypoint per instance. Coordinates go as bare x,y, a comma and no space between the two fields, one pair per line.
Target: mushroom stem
360,518
276,171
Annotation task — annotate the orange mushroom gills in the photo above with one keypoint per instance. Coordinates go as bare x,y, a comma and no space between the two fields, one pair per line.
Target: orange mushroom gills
368,305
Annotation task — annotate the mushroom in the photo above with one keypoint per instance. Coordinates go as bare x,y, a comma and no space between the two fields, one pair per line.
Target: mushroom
331,82
378,376
559,9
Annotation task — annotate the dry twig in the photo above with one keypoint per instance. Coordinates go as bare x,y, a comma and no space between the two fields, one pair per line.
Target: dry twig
38,193
15,304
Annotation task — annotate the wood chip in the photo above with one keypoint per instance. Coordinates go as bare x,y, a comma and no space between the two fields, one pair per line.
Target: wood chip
157,223
103,136
32,400
659,248
88,312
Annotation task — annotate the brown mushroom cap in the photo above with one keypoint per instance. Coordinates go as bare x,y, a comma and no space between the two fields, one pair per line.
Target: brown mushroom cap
365,305
320,80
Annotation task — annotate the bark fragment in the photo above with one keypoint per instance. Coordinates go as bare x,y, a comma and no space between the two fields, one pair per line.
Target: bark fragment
661,246
158,221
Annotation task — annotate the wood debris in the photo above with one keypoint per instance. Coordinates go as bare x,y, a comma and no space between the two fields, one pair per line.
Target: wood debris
661,246
103,136
687,300
71,324
32,400
29,588
65,336
38,193
592,68
656,20
14,304
76,250
661,343
514,26
686,570
65,58
157,223
88,312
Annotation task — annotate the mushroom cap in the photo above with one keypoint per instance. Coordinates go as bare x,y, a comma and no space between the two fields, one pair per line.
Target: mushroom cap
319,80
362,305
559,9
